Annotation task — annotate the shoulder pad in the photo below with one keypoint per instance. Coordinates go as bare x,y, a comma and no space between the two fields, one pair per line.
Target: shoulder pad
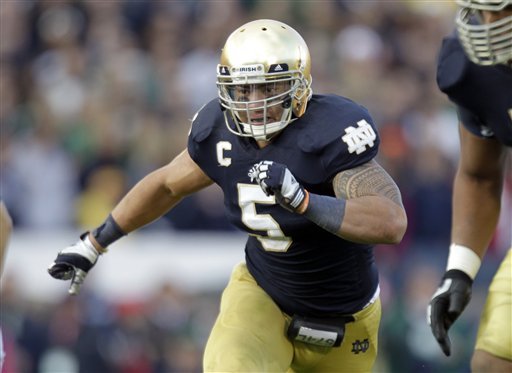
328,119
452,63
339,129
205,120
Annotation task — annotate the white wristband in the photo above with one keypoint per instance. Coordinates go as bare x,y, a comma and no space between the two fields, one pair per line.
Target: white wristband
463,259
85,248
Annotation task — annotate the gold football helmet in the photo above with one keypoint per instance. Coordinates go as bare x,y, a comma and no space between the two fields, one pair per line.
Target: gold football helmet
264,78
485,43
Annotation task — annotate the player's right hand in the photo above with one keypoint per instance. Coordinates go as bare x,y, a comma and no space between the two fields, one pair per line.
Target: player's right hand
276,179
74,262
447,304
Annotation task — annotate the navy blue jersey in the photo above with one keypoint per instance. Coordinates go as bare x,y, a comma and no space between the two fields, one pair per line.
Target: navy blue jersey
483,94
305,269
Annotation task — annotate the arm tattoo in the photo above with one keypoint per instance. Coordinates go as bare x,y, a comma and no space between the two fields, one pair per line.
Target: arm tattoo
367,179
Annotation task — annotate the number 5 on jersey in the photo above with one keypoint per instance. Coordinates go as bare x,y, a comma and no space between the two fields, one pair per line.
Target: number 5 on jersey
248,196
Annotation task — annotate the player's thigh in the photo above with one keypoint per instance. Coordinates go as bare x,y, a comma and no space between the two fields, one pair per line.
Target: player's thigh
357,353
495,330
248,335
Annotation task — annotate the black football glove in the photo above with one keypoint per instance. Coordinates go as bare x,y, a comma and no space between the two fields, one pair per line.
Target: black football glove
275,179
74,262
447,304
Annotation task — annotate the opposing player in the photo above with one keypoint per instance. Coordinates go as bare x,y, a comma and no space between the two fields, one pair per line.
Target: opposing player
475,71
299,176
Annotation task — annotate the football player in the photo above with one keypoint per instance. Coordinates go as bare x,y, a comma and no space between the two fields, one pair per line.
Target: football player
475,72
299,176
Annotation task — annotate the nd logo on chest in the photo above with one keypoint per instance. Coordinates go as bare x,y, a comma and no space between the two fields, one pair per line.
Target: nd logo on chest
222,159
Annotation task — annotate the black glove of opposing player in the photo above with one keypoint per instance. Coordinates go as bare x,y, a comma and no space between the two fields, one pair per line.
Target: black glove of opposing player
447,304
74,262
275,179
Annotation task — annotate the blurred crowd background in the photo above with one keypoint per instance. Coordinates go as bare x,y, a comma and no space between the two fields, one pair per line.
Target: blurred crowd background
95,94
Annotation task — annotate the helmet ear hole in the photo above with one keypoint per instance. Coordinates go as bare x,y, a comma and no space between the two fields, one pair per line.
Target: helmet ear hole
287,103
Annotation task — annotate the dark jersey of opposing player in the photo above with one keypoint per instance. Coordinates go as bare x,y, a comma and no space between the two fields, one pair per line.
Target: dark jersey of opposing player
483,94
305,269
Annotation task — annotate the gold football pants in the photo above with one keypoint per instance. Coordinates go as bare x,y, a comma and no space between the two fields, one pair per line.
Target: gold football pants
495,330
249,335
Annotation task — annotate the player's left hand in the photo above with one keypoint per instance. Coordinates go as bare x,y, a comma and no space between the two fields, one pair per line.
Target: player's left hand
275,179
447,304
74,262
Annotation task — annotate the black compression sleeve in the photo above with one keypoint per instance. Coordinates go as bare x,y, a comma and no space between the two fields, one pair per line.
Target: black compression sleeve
327,212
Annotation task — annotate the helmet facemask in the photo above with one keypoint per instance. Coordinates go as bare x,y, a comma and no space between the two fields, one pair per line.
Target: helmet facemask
485,43
261,105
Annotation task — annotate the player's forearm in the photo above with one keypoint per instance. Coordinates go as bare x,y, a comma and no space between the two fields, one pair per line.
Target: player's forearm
152,197
369,219
476,209
148,200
